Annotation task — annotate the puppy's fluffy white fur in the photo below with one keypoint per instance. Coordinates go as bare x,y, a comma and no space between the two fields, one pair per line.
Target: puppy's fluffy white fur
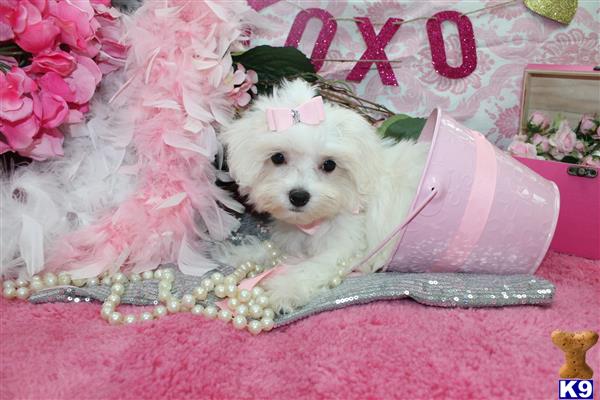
375,176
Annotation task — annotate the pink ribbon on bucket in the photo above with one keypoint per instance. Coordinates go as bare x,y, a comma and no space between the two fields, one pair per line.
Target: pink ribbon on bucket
312,113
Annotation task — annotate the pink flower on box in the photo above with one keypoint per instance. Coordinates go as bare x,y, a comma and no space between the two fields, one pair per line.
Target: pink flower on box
523,149
542,142
564,139
557,141
539,120
591,161
588,125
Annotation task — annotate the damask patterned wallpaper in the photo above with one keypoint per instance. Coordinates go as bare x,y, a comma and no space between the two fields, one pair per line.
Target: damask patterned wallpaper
487,100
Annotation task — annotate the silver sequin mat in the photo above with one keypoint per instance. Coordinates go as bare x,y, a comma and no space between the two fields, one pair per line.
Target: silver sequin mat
432,289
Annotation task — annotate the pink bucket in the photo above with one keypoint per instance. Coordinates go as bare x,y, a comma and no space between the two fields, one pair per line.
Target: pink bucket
476,210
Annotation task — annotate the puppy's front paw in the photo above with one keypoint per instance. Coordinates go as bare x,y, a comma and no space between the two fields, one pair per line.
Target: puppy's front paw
285,295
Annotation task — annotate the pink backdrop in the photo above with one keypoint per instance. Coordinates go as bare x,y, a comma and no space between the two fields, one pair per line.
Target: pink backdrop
506,38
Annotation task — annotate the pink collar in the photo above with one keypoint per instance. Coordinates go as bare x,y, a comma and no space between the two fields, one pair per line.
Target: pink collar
311,229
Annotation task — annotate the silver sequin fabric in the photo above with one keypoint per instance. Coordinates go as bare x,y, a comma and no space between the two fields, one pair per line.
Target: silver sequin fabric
432,289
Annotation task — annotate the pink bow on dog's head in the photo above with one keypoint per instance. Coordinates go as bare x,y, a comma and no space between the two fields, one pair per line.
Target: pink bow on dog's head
312,113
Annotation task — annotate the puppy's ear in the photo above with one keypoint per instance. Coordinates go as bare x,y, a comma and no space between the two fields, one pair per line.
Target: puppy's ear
363,156
241,147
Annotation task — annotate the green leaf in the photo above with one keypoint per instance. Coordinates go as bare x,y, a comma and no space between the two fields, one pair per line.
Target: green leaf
570,160
273,64
4,67
391,120
402,127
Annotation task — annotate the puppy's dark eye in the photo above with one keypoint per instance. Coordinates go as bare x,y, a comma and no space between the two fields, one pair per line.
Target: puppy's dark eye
278,158
328,165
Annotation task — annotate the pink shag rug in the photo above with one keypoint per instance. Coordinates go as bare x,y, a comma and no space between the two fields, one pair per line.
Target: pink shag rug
397,349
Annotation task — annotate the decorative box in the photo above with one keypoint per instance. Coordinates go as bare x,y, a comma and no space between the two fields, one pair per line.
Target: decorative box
570,90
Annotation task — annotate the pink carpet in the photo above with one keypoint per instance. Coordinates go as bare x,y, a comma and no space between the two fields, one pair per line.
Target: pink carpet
394,349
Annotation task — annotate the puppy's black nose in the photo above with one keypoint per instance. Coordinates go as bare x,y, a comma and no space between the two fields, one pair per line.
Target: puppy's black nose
299,197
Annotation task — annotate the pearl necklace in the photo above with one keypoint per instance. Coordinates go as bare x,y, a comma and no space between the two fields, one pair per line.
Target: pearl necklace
245,309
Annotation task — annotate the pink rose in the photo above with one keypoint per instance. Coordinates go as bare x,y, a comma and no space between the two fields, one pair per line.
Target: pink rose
6,32
539,120
541,142
590,161
50,108
588,125
564,139
14,106
22,14
54,83
83,80
91,66
48,144
556,154
522,149
18,79
73,18
579,145
7,9
58,61
79,87
19,134
38,37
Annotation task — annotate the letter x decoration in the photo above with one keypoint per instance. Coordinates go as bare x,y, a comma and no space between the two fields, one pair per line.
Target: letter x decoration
376,44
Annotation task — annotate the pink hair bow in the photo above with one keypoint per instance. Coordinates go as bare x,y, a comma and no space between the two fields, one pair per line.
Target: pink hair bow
312,113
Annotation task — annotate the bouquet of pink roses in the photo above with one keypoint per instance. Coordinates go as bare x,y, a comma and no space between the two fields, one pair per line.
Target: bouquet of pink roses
53,54
555,140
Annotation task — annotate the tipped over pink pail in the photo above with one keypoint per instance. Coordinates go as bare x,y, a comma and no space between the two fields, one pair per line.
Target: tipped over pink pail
487,213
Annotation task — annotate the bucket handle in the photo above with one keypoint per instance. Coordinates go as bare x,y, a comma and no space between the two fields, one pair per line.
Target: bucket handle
397,231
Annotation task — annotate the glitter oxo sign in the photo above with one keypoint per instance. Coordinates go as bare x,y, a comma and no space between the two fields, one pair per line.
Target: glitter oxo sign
377,41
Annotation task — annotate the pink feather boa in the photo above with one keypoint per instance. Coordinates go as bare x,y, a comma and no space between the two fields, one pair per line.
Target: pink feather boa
179,84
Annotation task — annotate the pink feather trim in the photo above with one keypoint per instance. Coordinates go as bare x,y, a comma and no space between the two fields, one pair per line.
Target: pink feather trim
178,71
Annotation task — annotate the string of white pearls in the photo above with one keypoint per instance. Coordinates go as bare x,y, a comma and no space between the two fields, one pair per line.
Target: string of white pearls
245,309
22,288
345,267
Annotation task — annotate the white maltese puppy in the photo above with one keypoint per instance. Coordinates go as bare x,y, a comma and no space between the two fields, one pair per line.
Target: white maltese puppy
332,185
